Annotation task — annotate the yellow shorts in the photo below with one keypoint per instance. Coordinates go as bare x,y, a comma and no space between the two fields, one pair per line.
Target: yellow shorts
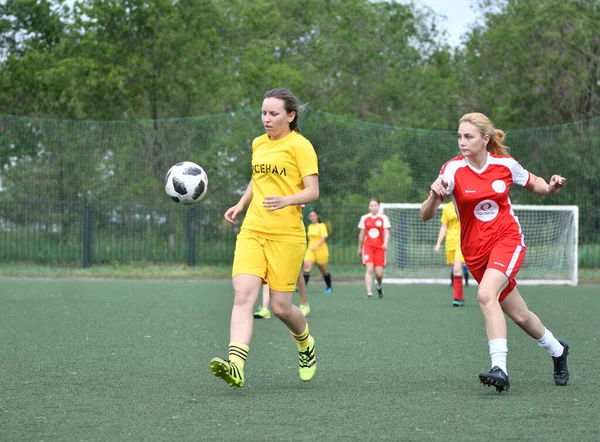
320,256
453,255
278,263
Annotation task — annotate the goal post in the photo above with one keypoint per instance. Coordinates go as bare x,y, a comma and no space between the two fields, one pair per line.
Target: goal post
550,232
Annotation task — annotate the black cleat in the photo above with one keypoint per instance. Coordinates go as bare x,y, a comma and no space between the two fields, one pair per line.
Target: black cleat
495,377
379,291
561,372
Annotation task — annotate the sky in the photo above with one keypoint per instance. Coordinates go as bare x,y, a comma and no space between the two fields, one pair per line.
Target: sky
459,14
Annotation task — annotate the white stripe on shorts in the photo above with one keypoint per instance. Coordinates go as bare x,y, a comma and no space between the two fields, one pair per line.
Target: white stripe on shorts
513,261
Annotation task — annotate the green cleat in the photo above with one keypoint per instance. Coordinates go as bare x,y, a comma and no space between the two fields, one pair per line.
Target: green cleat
308,361
263,313
305,309
229,371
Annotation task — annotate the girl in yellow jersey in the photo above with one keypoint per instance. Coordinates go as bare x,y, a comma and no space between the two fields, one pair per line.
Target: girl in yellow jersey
271,244
450,228
317,250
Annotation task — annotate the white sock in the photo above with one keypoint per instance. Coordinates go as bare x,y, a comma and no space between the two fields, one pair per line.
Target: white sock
550,343
498,353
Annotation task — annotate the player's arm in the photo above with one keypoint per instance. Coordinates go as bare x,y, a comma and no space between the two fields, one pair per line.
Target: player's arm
386,238
443,230
437,194
430,205
234,211
539,185
321,241
307,195
247,196
361,240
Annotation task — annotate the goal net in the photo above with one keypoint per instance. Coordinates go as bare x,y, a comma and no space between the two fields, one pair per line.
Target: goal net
550,237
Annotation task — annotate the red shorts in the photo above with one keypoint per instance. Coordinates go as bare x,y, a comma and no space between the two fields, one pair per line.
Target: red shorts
374,255
506,258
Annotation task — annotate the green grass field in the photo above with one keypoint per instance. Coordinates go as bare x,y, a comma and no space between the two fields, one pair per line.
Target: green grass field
128,360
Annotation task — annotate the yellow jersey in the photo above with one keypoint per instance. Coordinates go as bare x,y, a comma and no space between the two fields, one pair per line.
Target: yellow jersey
450,217
315,233
278,167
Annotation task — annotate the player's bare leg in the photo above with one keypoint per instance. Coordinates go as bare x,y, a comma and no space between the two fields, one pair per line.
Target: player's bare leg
301,285
326,277
290,315
306,268
369,279
287,312
515,307
263,311
490,287
379,281
246,288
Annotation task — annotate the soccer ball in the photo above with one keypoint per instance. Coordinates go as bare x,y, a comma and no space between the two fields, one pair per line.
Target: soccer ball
186,183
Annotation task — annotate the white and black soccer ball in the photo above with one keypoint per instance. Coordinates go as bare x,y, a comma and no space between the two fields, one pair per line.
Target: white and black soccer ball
186,183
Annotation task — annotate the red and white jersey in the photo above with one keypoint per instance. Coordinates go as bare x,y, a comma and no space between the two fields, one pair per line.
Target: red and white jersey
482,202
374,227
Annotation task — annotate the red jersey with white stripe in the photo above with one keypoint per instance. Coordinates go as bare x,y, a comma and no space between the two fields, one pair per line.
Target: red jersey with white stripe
373,227
482,203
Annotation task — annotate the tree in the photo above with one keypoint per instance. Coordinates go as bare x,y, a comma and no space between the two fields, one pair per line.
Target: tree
534,63
133,59
31,33
392,182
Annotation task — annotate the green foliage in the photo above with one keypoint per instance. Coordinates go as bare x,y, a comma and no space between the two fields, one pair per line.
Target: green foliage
532,63
161,59
525,63
392,181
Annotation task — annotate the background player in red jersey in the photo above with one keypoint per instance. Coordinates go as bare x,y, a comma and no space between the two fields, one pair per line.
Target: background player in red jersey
373,241
491,239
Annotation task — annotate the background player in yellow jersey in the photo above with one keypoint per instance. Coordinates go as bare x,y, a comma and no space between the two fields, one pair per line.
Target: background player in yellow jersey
272,241
317,250
450,228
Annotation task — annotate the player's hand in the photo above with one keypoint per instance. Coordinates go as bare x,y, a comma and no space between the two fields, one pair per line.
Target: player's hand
232,212
359,252
384,246
440,188
556,183
437,248
272,203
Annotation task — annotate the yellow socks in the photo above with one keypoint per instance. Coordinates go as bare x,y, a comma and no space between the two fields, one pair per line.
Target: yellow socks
238,353
302,339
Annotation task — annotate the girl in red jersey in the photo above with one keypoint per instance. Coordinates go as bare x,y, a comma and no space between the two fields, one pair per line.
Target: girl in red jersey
373,241
491,238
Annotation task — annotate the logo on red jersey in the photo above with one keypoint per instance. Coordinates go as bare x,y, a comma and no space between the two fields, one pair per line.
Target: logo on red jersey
486,210
499,186
374,233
